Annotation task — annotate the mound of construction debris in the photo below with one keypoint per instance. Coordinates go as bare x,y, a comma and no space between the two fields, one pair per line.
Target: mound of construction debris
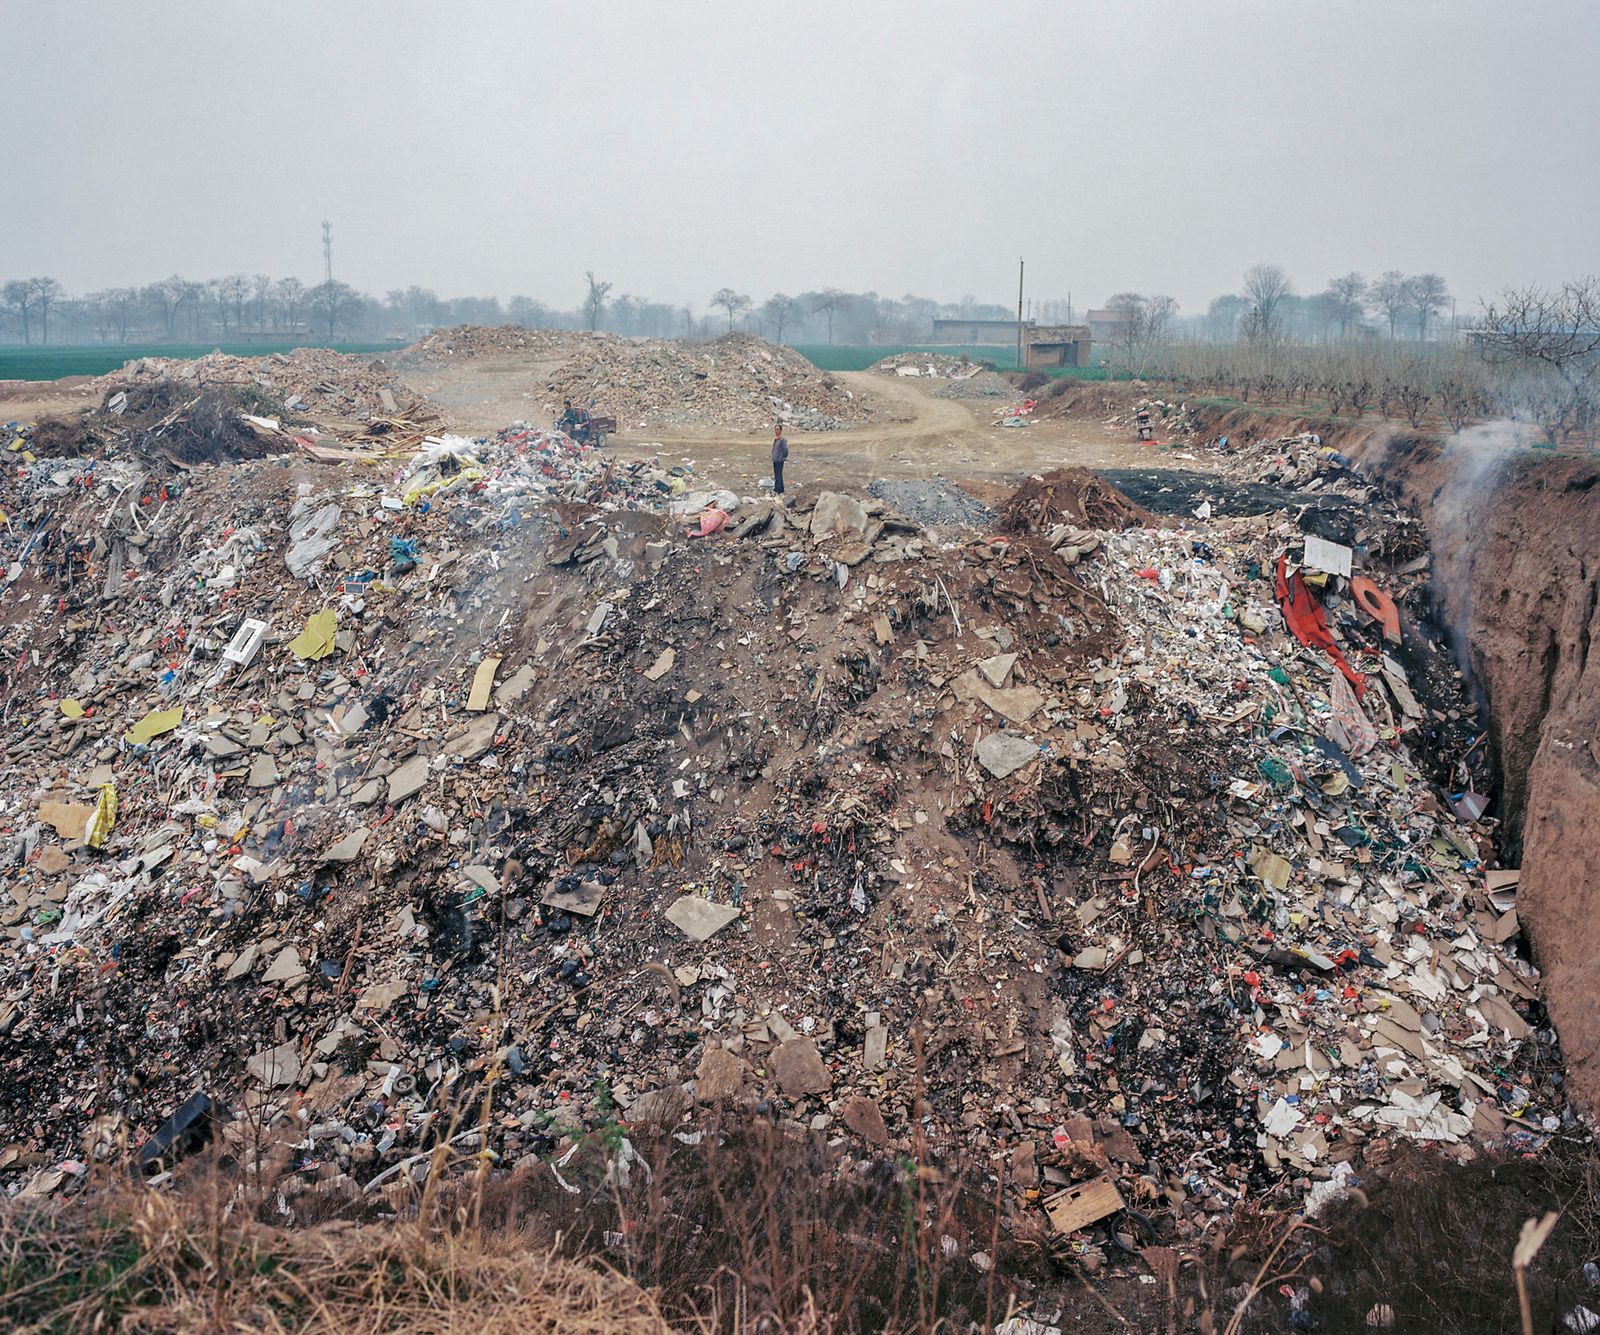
468,341
572,791
1069,495
321,384
738,382
221,409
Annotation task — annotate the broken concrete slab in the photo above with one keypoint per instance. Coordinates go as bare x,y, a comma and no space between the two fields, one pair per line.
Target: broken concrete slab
862,1115
835,512
349,848
700,919
663,665
719,1076
798,1068
997,668
477,739
1004,753
408,779
276,1067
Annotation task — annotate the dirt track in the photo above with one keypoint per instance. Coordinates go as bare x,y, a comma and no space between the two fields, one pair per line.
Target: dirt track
919,434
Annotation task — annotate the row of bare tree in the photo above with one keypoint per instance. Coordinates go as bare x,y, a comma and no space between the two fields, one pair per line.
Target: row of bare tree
1534,357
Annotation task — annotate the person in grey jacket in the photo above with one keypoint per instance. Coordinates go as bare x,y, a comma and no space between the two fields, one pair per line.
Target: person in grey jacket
780,452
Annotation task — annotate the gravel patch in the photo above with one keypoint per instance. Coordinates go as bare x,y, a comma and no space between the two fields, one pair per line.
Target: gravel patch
931,503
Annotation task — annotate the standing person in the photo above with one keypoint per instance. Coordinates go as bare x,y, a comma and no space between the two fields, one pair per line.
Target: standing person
780,452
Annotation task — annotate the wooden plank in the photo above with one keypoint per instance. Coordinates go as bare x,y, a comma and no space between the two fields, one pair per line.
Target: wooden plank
1081,1205
482,685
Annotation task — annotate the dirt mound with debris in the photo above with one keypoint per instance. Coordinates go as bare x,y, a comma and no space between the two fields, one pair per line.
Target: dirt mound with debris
739,382
1070,496
467,341
572,791
160,420
320,384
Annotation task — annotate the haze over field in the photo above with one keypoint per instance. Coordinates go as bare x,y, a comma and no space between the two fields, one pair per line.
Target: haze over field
507,147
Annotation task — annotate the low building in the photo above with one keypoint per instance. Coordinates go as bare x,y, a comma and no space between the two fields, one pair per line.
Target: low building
1058,345
1108,326
979,333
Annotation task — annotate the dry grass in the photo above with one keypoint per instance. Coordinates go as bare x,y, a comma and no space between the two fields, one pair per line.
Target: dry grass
752,1231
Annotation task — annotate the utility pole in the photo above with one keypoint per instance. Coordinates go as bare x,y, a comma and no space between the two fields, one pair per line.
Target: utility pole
1069,305
327,249
1019,315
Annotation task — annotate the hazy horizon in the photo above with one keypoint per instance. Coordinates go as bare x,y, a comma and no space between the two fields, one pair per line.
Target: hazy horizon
496,149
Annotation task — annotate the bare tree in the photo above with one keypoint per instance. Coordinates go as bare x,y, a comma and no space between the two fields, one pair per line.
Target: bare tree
1141,325
1224,314
779,308
260,290
1428,297
46,292
333,303
165,298
1535,329
114,307
827,302
594,304
1265,287
289,297
18,297
1347,293
733,303
1391,295
232,293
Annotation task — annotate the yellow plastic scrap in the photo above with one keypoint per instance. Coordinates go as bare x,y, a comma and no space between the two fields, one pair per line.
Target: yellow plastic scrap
105,815
316,640
430,488
153,725
72,708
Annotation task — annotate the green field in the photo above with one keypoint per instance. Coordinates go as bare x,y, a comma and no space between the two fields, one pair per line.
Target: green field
55,363
841,358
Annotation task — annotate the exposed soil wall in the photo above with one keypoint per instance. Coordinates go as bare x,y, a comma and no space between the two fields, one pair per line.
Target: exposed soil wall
1516,545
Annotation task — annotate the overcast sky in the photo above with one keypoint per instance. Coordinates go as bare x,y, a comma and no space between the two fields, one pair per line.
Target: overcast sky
676,146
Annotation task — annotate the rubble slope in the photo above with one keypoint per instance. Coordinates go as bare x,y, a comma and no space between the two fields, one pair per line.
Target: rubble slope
1051,843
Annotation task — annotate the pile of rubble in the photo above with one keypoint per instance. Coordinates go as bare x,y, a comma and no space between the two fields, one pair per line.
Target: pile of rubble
218,408
467,341
316,383
738,382
338,799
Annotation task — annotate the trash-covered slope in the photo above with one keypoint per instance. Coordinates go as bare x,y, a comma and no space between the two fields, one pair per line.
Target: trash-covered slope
1051,842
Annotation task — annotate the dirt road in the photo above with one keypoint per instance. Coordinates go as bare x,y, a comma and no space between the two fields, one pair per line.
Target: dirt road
918,434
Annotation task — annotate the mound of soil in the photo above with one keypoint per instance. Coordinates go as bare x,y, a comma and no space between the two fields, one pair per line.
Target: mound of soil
1070,496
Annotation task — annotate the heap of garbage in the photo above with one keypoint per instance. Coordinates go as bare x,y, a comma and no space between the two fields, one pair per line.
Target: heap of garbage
339,797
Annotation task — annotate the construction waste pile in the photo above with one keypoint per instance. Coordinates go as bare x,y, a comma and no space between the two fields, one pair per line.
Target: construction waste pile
219,407
965,379
338,799
467,341
738,382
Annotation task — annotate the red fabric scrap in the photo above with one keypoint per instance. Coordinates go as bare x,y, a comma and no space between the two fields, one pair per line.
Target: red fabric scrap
1302,613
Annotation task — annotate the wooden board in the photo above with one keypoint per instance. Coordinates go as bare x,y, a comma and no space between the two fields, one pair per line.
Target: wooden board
482,685
1081,1205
